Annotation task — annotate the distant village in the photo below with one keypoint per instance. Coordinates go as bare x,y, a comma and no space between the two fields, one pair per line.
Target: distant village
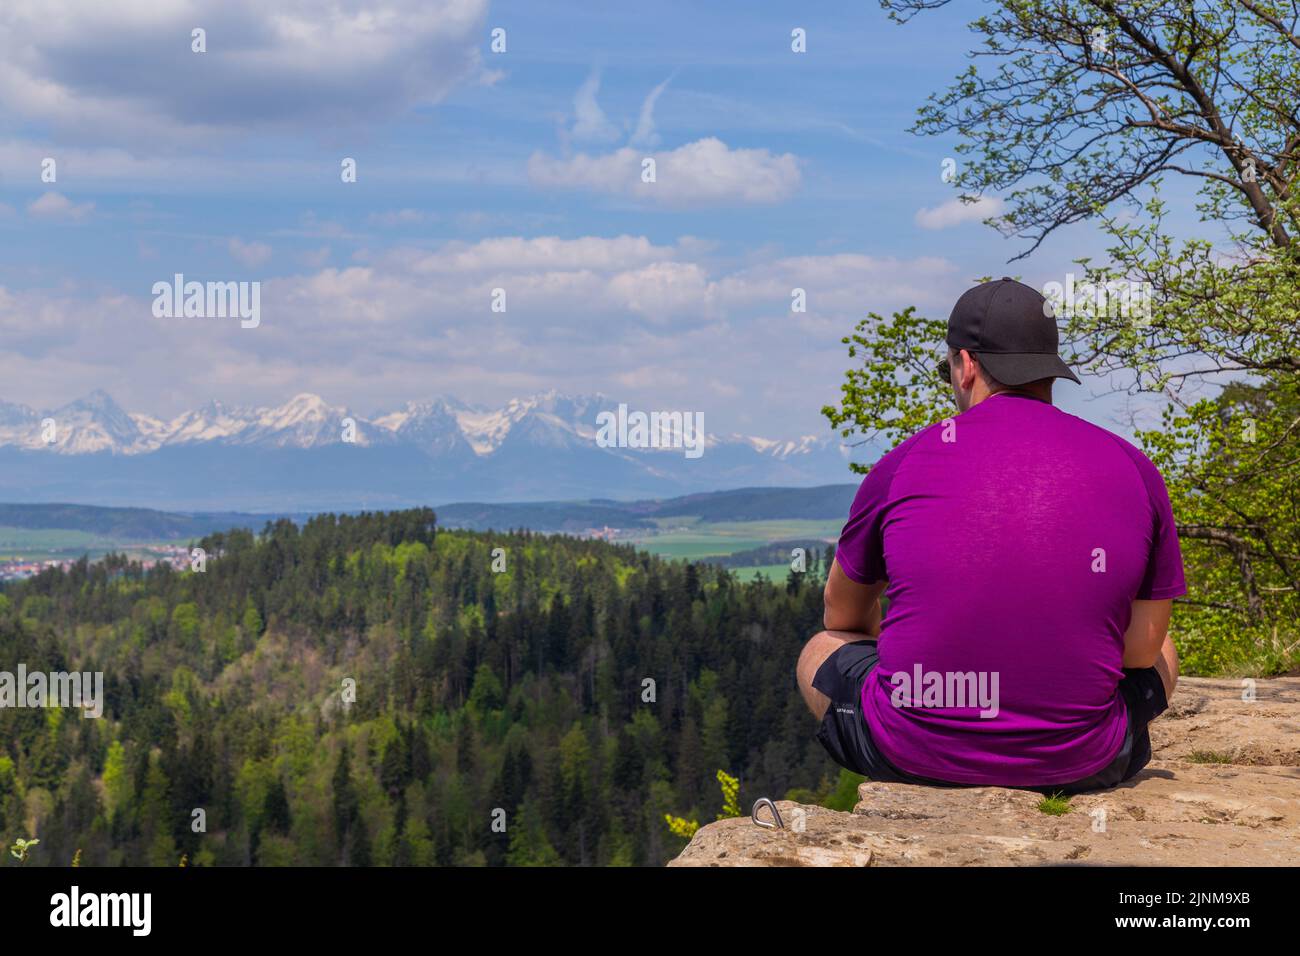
16,569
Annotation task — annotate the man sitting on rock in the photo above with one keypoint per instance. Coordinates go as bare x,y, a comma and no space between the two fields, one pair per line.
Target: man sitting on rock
1029,559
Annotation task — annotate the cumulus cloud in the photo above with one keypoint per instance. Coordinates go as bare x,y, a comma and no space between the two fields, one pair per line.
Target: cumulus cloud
955,212
119,71
59,208
704,172
662,290
623,314
515,254
34,323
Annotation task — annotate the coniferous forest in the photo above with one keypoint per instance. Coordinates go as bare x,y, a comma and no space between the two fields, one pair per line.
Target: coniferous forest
370,690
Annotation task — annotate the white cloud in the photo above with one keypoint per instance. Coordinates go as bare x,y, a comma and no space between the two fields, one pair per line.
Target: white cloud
251,254
58,207
116,72
652,379
589,121
516,255
622,314
645,134
955,213
706,171
234,169
35,322
662,290
844,284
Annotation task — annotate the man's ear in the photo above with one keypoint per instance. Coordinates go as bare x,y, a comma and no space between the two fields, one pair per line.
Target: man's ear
969,370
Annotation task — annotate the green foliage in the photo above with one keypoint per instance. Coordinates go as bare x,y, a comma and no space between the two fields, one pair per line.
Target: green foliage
679,826
682,827
252,621
529,845
117,782
1077,112
1230,463
845,795
185,622
21,848
1055,805
223,694
730,790
1208,756
894,390
486,693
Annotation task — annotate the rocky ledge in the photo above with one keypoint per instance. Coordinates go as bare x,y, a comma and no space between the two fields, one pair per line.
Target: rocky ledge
1223,788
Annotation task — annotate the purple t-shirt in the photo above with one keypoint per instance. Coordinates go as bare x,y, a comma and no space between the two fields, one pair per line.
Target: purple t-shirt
1014,538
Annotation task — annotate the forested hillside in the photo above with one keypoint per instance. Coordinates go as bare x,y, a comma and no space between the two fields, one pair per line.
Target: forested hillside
514,681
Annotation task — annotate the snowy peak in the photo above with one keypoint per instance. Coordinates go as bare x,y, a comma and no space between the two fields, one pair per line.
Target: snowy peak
303,452
486,430
306,420
431,425
92,423
15,415
441,427
780,449
211,422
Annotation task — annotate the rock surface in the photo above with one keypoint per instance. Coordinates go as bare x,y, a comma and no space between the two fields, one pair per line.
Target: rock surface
1223,788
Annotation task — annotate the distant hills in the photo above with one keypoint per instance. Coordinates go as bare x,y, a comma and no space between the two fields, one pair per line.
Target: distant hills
744,504
128,524
824,502
307,455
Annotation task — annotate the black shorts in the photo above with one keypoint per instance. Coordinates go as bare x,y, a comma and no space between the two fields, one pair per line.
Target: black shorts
847,738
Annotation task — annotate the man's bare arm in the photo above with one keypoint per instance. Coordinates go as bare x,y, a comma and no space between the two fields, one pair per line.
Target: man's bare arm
851,606
1146,632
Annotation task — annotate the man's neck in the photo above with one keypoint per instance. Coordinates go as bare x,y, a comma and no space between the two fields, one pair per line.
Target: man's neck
981,392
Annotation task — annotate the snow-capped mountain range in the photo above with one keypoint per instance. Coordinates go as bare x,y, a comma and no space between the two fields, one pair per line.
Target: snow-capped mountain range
309,453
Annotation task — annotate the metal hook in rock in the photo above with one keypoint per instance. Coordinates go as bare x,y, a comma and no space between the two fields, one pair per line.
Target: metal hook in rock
776,814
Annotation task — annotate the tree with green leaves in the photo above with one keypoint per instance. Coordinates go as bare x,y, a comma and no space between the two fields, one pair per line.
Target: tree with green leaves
1077,111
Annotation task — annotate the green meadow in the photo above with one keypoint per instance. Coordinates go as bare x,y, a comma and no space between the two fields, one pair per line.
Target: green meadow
693,539
773,572
42,544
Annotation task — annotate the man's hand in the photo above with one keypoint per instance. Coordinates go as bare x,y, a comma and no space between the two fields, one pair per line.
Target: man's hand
851,606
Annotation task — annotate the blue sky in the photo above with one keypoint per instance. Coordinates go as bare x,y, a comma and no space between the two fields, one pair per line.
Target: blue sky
479,170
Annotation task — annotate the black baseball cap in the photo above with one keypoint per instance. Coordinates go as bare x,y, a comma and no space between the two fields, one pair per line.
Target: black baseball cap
1012,329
